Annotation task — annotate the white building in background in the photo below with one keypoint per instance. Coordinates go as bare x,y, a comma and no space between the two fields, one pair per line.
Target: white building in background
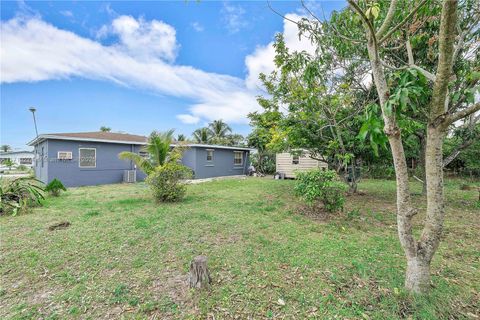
18,158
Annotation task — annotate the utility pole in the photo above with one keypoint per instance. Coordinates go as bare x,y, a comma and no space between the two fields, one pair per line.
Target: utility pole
32,110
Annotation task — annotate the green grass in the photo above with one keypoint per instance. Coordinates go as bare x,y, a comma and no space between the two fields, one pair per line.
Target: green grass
124,256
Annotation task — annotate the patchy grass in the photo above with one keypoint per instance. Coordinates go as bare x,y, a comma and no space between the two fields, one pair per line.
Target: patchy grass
124,256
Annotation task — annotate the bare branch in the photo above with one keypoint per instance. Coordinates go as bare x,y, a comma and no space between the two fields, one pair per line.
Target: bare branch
462,113
281,15
388,19
402,23
411,61
430,76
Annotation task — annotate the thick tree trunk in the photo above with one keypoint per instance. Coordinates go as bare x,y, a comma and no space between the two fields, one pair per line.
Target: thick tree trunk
417,278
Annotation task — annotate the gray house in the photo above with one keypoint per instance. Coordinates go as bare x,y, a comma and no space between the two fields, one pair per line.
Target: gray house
91,158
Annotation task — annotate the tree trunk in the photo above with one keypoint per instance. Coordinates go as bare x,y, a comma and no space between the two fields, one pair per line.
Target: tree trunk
417,278
419,254
421,163
199,276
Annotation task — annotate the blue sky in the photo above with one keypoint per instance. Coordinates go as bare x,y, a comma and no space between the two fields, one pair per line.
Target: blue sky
137,66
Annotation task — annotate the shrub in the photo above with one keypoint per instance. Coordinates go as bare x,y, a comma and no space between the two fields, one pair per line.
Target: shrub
264,162
167,181
54,187
18,194
317,186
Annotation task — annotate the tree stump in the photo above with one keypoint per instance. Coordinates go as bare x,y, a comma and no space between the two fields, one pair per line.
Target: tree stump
199,276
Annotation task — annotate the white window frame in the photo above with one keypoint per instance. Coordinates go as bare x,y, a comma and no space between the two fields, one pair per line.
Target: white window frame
213,152
234,158
69,155
80,156
29,161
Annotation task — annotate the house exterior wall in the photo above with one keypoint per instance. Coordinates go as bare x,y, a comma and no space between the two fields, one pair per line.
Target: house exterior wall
17,157
109,168
41,168
221,165
284,164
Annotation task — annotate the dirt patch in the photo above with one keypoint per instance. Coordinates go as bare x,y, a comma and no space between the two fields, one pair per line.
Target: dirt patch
60,225
175,296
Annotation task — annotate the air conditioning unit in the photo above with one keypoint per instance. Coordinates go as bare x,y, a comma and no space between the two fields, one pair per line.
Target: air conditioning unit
130,176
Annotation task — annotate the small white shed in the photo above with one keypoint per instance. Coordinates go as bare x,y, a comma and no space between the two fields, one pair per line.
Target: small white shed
287,163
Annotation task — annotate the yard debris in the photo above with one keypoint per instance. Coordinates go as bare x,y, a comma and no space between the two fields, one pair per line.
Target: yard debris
61,225
281,302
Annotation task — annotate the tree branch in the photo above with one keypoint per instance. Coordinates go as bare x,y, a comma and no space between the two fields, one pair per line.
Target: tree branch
462,114
402,23
365,20
388,19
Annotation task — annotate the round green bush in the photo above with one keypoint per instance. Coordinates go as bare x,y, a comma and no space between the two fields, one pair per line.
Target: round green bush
168,182
318,186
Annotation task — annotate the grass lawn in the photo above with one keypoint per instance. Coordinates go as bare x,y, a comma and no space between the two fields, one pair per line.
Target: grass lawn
125,256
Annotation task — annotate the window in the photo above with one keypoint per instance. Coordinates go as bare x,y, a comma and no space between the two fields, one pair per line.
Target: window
209,154
87,157
238,158
295,159
64,155
25,160
144,154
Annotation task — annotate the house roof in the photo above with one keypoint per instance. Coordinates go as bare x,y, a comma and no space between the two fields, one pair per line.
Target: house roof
112,137
14,152
215,146
98,136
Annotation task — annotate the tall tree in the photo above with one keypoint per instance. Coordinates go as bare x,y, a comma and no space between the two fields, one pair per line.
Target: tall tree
427,91
219,130
202,135
419,252
181,137
158,150
105,129
6,148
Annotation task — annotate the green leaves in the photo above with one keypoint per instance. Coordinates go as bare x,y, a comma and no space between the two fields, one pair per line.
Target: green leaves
373,11
372,128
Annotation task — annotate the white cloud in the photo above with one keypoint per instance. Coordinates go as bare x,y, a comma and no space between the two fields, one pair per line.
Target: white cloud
234,17
32,50
197,26
67,13
261,60
143,38
188,119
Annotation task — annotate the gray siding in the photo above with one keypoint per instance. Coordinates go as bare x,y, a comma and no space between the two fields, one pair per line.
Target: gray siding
222,164
109,168
41,169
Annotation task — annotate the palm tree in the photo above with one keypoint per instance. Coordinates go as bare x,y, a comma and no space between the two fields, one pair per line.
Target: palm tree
202,135
5,148
181,137
9,163
158,149
219,129
105,129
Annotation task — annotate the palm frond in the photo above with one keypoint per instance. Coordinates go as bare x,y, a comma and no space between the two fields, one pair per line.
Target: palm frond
143,164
